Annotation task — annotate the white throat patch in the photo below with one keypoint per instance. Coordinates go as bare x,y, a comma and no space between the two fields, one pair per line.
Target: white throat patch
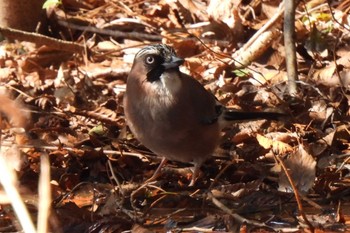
165,91
171,82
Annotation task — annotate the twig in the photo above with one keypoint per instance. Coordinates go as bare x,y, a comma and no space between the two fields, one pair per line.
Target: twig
138,35
237,217
227,165
44,194
114,33
296,193
7,181
42,40
197,229
147,184
46,147
335,19
289,44
255,47
342,86
264,28
244,57
115,178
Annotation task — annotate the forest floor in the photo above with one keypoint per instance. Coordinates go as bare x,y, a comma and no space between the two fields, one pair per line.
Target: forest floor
64,138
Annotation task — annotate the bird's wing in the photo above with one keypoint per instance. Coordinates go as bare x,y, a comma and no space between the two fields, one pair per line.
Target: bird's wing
203,103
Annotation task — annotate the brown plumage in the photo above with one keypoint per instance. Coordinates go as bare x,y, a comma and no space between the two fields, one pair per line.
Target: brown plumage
171,113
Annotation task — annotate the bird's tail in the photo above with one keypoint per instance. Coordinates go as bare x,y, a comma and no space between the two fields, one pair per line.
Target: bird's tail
236,115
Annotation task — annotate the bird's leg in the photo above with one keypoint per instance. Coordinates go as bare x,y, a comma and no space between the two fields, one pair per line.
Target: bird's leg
195,174
157,172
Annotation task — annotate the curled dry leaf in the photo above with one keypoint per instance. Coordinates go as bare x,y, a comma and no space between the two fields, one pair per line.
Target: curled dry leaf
301,168
322,144
318,110
267,75
226,11
329,76
277,146
286,137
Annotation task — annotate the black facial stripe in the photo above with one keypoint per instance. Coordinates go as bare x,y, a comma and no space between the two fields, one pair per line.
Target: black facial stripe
155,69
160,53
155,73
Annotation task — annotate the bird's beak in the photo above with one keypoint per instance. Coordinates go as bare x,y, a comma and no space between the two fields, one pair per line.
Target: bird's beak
173,63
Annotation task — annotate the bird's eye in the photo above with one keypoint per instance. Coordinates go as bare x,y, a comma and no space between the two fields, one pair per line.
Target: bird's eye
150,60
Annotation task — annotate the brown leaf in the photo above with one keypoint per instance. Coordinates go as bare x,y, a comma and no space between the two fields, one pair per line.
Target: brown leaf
277,146
322,144
301,168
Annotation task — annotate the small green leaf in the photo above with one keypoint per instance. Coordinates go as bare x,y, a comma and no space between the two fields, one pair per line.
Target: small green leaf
241,72
51,3
98,130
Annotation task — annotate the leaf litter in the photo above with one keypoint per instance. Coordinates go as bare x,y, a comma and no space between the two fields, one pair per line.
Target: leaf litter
98,168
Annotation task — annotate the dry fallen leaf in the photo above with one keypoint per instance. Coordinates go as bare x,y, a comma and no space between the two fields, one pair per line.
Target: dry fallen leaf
70,93
301,168
277,146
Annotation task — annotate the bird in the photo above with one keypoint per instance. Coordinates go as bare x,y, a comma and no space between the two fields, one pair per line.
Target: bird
171,113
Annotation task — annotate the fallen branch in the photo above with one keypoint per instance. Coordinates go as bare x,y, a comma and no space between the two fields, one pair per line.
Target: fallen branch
40,39
113,33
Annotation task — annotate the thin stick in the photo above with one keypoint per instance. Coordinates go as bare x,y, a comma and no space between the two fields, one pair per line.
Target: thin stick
44,194
236,216
7,181
296,193
42,40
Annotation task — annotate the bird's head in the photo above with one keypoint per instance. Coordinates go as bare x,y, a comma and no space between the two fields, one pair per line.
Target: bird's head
152,61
